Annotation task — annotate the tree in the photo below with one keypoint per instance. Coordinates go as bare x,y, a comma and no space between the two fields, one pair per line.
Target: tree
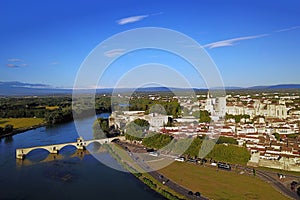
142,123
170,122
157,141
137,129
230,153
204,116
194,148
226,140
101,128
8,128
277,136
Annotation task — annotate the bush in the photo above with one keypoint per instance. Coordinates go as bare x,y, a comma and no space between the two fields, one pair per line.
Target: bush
230,154
226,140
8,128
194,148
149,183
168,195
157,141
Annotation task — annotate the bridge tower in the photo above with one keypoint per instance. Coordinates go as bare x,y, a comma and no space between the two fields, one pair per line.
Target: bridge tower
20,154
80,143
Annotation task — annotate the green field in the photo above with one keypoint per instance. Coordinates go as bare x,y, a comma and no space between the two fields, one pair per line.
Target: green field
219,184
21,123
52,107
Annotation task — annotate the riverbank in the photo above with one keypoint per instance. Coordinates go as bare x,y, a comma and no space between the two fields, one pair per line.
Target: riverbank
118,154
21,125
17,131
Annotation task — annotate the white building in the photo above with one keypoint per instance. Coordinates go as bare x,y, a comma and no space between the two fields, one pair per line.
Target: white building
120,119
266,109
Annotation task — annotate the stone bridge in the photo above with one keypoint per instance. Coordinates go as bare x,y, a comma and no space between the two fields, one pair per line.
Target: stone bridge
54,148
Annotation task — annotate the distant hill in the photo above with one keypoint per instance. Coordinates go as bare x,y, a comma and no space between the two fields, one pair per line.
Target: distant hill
27,89
276,87
23,89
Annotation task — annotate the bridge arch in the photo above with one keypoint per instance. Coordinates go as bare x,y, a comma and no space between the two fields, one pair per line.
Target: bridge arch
37,154
115,140
64,147
94,145
93,142
37,148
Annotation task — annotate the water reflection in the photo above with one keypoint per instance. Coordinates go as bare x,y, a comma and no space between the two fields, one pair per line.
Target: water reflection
42,156
8,139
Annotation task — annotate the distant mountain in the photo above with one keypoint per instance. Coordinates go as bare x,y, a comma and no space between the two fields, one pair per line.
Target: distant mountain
227,88
276,87
24,89
27,89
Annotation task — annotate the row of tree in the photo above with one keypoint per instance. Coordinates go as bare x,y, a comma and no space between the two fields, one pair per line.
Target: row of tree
216,150
171,107
156,140
54,109
195,148
237,118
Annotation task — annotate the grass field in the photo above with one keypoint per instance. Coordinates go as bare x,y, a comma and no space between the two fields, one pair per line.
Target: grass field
219,184
52,107
21,123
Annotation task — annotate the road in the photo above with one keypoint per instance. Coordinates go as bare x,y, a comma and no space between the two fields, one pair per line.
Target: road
174,186
277,184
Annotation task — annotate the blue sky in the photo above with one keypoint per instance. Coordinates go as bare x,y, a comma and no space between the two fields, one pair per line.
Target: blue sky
251,42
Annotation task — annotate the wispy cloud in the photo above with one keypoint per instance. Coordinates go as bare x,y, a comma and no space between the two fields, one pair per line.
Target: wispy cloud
114,53
15,63
12,65
14,60
231,42
54,63
136,18
131,19
288,29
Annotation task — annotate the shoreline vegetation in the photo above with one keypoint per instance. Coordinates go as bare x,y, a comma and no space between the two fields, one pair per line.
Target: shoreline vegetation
144,177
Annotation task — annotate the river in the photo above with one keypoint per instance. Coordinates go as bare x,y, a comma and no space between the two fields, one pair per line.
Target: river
67,177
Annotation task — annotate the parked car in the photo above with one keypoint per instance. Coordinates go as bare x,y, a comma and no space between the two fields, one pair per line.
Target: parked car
224,166
153,153
180,159
197,194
